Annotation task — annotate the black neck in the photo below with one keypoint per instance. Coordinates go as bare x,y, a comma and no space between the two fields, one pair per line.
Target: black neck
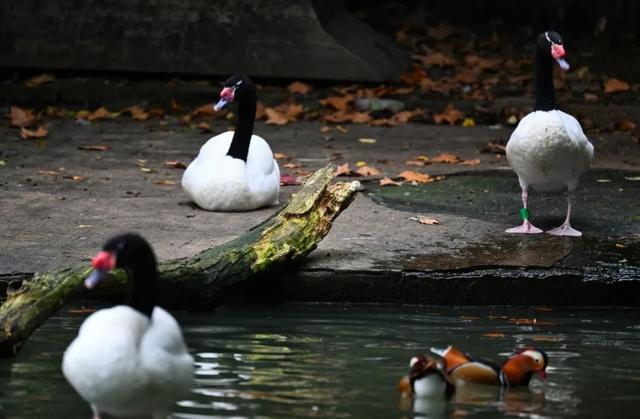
144,277
545,95
239,147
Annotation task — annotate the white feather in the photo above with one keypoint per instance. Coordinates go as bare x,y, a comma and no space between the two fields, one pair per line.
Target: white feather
549,151
218,182
123,364
431,385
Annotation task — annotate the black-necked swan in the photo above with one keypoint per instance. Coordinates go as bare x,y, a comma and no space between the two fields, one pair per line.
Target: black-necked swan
548,150
130,359
235,170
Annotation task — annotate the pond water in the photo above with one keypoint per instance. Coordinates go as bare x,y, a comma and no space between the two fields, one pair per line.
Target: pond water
328,361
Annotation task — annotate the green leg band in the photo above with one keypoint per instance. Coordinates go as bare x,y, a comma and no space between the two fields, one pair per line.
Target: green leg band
524,214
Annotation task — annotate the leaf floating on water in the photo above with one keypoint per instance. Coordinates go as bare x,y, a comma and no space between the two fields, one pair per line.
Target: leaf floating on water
494,334
425,220
368,171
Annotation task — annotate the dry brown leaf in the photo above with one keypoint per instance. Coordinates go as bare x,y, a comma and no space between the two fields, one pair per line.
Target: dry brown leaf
325,129
55,112
425,220
615,85
41,132
368,171
41,79
340,103
450,114
389,182
98,147
446,159
157,112
415,77
175,164
292,165
412,176
204,126
360,117
441,31
21,117
416,162
275,117
74,177
626,125
496,148
343,170
137,113
165,182
51,172
100,113
299,87
439,59
293,111
204,110
494,334
472,162
280,156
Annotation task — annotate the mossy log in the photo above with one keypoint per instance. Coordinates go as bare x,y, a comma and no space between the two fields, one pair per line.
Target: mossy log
194,282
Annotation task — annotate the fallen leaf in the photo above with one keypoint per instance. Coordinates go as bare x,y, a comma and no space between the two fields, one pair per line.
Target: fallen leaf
368,171
415,77
275,117
342,129
165,182
55,112
495,148
100,113
389,182
137,113
41,132
472,162
325,129
450,114
469,122
280,156
626,125
99,147
425,220
494,334
339,103
446,158
157,112
204,110
288,180
204,126
175,164
74,177
440,32
343,170
418,163
439,59
82,114
615,85
41,79
294,110
360,163
51,172
299,87
367,140
292,165
21,117
412,176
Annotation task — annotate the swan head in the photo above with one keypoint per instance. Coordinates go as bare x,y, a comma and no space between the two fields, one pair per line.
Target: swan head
550,42
233,89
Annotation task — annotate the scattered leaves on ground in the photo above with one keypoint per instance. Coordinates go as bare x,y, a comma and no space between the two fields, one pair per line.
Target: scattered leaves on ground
280,156
368,171
493,334
389,182
21,117
299,87
343,170
137,113
446,158
449,114
614,85
101,113
413,176
175,164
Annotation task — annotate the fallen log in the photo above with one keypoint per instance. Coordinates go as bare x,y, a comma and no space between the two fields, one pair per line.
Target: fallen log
194,282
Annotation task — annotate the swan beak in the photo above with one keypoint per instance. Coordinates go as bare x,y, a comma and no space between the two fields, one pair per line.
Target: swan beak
564,65
94,278
221,104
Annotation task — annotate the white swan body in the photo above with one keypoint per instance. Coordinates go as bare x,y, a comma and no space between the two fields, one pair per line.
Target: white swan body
549,152
218,182
125,364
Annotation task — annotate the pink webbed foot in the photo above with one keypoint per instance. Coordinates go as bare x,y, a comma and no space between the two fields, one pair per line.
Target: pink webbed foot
565,230
525,228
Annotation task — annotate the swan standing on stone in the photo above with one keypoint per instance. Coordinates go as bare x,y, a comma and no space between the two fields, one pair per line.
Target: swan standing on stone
131,359
235,170
548,150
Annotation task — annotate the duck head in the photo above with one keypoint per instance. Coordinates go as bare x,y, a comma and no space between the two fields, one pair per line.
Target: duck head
130,252
235,88
521,366
550,43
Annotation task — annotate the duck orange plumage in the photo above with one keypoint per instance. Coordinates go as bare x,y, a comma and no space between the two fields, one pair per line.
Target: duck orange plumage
517,370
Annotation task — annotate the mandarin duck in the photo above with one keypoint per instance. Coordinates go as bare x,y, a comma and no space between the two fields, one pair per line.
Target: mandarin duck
426,379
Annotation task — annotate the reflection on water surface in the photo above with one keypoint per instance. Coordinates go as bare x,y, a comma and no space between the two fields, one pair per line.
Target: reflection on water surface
344,362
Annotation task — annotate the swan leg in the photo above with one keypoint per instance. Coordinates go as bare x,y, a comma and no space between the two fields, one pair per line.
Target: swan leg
526,227
565,229
96,413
